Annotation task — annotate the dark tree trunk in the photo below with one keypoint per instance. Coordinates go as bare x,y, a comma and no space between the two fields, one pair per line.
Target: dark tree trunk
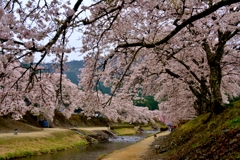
215,78
214,58
215,83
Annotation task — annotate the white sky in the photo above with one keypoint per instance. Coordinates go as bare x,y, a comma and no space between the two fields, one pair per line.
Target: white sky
74,41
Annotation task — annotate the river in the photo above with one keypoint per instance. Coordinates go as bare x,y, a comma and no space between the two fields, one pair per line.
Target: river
93,151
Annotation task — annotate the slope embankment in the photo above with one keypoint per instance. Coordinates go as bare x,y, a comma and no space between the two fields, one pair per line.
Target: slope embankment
30,123
218,139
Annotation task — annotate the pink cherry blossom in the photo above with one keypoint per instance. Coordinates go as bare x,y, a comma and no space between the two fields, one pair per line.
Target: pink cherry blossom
184,53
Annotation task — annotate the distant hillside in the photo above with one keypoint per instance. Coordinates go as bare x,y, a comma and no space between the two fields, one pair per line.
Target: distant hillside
72,70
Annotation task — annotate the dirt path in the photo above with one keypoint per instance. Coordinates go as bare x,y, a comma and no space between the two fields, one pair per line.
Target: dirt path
134,151
47,131
93,128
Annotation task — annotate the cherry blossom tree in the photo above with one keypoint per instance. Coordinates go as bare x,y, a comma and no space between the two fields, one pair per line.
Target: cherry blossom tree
132,46
40,96
185,53
30,28
121,108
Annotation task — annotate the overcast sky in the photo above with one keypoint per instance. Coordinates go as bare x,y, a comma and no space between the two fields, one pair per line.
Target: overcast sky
75,41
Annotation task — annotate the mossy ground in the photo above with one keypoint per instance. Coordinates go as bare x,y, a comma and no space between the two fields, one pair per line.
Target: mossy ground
217,139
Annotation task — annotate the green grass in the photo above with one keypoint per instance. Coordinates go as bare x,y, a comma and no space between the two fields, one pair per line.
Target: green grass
234,122
11,147
125,131
146,127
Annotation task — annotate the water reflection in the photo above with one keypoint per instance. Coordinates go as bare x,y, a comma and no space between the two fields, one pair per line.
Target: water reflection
125,139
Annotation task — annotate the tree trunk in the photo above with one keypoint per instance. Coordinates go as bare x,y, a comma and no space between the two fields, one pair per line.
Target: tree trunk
215,77
215,83
214,58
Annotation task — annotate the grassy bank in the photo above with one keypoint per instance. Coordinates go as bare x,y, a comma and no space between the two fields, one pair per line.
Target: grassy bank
22,146
125,131
217,139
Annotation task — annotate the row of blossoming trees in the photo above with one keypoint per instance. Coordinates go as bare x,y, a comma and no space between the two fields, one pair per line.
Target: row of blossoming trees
183,52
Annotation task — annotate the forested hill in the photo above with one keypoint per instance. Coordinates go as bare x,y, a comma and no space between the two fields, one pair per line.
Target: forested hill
72,69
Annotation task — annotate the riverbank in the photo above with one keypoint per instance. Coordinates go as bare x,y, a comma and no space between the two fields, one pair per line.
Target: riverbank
32,140
216,139
49,140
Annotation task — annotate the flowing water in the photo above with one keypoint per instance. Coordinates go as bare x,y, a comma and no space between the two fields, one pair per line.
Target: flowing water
93,151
